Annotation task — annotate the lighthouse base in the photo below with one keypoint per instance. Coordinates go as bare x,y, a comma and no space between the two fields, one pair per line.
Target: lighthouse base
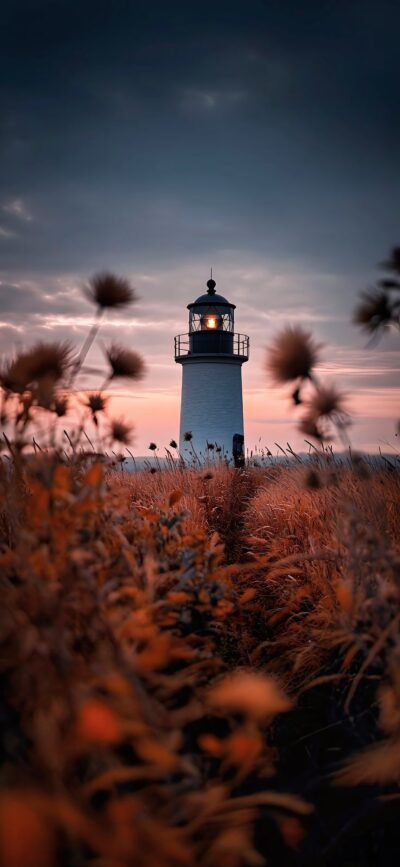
212,408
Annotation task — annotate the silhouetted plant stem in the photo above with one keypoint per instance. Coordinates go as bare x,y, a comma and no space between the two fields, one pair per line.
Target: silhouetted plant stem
91,336
89,440
133,459
194,453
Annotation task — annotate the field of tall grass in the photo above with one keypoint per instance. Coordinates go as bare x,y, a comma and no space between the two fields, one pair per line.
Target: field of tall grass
199,667
199,664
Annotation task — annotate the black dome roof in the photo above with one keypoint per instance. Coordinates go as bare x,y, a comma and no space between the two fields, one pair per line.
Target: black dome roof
207,298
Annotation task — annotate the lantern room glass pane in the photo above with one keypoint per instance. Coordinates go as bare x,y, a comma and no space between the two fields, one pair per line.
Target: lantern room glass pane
211,318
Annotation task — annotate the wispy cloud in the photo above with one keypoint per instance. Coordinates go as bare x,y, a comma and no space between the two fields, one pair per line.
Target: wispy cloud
19,209
6,233
209,100
8,326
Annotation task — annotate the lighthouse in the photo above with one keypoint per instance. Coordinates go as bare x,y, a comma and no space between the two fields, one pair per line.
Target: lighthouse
211,355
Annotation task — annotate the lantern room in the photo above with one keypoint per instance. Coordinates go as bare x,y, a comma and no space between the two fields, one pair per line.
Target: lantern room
211,322
211,329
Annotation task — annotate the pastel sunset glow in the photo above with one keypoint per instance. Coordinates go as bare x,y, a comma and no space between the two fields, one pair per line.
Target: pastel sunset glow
158,140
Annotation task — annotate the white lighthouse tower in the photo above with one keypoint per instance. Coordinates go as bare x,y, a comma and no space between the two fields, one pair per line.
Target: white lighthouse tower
211,355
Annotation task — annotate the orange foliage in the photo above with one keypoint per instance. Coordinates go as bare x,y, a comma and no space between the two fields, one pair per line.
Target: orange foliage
26,837
146,666
97,723
249,693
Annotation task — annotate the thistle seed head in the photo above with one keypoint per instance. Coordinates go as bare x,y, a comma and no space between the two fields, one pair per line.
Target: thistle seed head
309,427
97,402
374,311
121,432
48,361
124,363
107,290
292,355
325,402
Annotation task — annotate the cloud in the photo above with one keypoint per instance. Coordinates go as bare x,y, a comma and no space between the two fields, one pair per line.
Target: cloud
26,299
210,100
9,328
18,208
6,233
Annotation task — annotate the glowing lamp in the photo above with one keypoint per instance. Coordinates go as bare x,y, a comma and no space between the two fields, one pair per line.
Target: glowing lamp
211,322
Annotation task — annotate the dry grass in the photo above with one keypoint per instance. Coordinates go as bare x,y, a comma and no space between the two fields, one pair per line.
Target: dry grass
126,599
214,498
316,592
119,749
331,557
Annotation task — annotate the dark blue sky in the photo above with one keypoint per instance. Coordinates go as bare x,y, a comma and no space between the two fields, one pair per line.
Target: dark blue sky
157,138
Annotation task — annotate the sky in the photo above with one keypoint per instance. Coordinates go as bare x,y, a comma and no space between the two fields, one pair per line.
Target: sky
158,139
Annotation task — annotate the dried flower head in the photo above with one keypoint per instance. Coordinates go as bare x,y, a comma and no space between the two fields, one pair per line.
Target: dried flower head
173,444
124,362
374,312
326,401
309,427
48,361
121,432
292,355
61,406
388,283
108,290
296,397
250,693
393,262
312,480
97,402
13,376
188,436
360,466
152,447
210,446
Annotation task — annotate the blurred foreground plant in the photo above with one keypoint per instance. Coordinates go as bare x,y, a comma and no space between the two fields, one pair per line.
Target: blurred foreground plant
38,385
292,357
126,741
379,307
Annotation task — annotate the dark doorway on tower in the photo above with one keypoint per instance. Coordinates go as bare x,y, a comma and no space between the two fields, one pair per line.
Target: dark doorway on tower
238,450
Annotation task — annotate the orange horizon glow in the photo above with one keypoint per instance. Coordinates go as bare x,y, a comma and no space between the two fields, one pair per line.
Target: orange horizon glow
264,305
268,419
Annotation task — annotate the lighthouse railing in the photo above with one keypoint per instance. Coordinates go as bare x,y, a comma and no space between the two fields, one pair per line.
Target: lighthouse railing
240,346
